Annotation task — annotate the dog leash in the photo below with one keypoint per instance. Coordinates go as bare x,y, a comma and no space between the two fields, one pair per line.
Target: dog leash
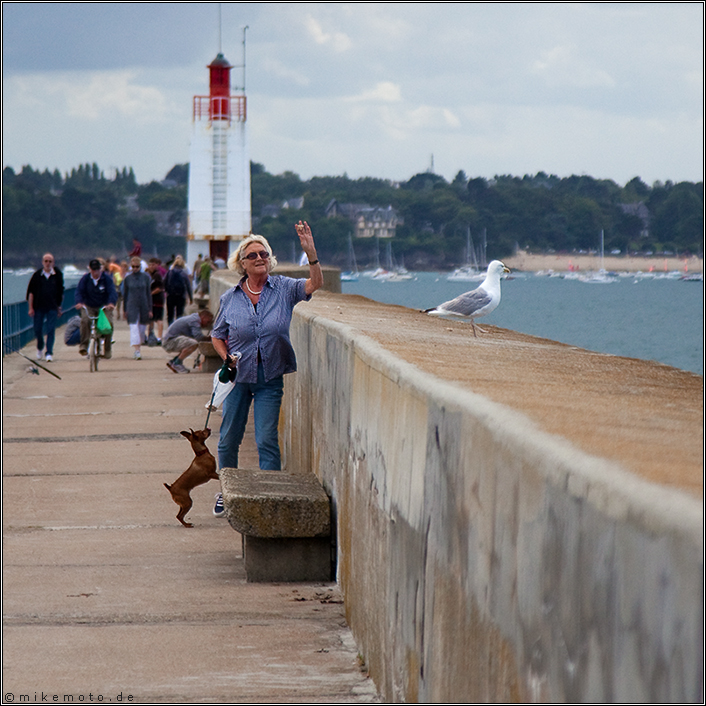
210,407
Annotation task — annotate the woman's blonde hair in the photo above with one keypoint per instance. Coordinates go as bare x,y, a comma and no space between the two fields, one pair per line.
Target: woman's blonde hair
235,260
178,261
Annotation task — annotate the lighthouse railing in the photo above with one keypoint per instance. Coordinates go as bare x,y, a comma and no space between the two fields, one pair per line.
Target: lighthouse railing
231,108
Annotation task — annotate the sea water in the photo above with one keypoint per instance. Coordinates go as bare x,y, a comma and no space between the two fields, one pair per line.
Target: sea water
652,319
14,284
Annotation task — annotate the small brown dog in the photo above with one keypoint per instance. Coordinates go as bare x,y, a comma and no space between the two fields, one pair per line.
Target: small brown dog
201,470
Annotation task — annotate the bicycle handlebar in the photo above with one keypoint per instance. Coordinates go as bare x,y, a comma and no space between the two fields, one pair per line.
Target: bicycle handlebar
93,318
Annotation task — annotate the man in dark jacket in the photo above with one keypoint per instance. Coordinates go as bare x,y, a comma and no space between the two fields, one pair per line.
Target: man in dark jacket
95,290
177,285
45,292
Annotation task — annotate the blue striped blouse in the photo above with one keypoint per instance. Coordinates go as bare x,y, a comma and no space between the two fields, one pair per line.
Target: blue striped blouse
264,330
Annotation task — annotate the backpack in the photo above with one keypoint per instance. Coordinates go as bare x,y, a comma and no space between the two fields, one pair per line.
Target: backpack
174,284
72,333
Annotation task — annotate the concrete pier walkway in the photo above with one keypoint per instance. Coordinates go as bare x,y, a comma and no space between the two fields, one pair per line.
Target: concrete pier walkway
106,597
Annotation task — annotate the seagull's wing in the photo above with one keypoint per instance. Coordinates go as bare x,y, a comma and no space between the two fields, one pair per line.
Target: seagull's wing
468,303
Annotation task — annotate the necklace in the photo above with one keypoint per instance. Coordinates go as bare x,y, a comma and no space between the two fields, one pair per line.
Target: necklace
250,290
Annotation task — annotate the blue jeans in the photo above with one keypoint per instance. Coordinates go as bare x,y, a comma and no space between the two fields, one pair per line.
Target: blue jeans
236,407
50,316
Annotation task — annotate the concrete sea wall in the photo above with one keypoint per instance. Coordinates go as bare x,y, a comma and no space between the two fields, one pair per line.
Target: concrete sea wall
482,559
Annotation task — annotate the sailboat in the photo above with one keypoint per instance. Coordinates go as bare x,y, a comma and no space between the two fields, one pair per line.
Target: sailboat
394,272
376,272
600,277
351,274
470,272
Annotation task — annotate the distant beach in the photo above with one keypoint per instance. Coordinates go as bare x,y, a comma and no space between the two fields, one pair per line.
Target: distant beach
562,262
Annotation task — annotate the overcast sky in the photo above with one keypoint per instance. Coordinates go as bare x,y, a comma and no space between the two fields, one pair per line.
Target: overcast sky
612,90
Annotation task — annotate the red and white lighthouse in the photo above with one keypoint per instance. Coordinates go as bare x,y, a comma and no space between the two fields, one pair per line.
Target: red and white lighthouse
219,169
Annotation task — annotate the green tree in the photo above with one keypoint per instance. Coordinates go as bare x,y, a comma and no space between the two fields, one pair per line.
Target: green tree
82,216
678,221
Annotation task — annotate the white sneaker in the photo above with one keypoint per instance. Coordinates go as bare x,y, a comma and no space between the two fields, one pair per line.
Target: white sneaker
137,355
218,509
39,354
49,358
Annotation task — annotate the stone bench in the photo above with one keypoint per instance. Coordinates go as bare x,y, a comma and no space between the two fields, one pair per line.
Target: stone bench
285,521
211,360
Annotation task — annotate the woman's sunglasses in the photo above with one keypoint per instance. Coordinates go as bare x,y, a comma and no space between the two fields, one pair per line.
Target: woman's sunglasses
254,255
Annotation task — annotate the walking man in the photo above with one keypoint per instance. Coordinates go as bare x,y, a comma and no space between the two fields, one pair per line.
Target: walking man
45,293
177,286
157,289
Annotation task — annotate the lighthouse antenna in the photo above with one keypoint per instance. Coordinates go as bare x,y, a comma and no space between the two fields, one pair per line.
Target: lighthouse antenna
242,66
245,29
220,28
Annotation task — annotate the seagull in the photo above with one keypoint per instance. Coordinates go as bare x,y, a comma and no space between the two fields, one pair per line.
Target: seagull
478,302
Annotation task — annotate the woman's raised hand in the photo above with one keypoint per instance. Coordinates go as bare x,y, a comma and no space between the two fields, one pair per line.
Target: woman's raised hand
306,239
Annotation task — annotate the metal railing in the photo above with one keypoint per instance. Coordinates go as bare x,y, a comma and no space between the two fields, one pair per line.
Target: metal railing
18,326
230,108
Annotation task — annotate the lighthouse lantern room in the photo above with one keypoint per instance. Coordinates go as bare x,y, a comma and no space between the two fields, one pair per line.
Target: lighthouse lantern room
219,169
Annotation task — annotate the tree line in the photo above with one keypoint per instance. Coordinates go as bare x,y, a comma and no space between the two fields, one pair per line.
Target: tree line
83,213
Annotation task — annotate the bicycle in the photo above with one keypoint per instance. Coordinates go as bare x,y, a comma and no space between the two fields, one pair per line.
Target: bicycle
94,343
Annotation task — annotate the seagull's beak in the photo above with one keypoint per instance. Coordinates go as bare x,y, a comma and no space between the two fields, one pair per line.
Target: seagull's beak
506,268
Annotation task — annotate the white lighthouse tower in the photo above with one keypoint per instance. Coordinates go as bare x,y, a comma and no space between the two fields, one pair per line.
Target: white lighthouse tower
219,169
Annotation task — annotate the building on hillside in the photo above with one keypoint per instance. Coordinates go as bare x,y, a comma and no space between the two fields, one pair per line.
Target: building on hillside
219,169
273,210
369,221
640,210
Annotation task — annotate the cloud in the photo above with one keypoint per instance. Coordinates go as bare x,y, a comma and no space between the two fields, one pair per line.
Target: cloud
116,92
280,70
339,41
61,36
384,91
114,118
560,66
365,88
383,106
410,122
90,96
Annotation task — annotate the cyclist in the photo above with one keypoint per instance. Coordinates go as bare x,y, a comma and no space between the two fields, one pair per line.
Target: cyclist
95,290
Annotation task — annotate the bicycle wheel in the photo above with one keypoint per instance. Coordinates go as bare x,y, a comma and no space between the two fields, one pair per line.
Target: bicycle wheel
93,354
